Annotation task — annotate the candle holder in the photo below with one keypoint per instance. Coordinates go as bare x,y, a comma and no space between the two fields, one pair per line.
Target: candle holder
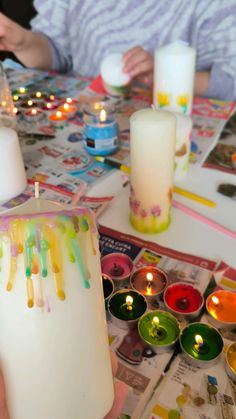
38,97
58,119
221,309
159,329
33,115
50,106
231,361
68,109
183,300
201,344
28,103
100,129
125,307
149,281
117,266
108,288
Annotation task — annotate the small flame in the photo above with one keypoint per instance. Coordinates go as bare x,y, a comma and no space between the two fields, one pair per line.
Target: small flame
30,103
34,111
69,100
15,98
38,94
215,300
129,300
22,89
155,321
52,97
199,340
103,115
4,103
15,110
66,106
58,114
49,105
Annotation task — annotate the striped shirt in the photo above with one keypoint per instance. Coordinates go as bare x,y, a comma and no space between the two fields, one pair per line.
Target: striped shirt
82,32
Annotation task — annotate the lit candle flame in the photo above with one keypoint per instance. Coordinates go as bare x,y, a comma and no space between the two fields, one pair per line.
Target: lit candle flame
96,106
215,300
30,103
69,100
34,111
155,321
59,114
103,115
149,277
49,105
66,106
4,103
51,97
38,94
198,340
15,98
129,301
22,89
15,110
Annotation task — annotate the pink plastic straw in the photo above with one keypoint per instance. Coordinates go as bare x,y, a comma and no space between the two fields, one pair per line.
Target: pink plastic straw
203,219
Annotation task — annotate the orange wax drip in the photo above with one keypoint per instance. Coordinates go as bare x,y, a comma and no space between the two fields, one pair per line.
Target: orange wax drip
30,292
91,235
225,310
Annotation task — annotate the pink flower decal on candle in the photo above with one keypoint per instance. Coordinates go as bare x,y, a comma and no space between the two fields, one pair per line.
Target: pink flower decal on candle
156,211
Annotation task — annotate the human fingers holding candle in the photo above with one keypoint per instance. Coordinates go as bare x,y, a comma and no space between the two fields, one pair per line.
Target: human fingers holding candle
139,63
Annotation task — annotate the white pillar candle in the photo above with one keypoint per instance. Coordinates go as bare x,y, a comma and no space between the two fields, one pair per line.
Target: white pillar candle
152,148
182,147
174,71
12,172
53,342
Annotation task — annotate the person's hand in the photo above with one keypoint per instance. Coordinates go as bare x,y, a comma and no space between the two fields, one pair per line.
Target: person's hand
12,36
120,390
139,63
3,403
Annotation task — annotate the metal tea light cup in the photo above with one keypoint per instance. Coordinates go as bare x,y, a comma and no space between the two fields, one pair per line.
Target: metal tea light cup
120,313
183,300
201,344
118,267
231,361
108,288
149,281
221,309
162,336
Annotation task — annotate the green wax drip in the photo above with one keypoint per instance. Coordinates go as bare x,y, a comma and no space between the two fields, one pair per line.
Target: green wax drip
79,261
44,246
83,223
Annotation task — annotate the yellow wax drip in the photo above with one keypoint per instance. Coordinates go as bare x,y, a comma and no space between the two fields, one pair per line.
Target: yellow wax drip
91,234
56,261
11,277
30,292
82,244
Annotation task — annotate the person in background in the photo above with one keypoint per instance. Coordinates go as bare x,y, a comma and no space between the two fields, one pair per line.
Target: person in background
77,34
21,12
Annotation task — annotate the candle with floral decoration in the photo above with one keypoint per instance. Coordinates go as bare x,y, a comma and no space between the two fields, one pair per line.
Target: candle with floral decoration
174,71
152,148
52,315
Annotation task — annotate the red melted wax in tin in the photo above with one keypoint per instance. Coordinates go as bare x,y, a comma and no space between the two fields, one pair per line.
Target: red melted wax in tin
183,298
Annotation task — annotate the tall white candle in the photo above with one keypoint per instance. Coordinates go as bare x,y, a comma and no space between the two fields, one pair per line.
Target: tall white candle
174,71
152,148
12,172
53,341
182,148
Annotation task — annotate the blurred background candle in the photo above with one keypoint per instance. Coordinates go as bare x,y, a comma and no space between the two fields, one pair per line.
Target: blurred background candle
58,119
152,148
125,307
68,109
201,344
52,315
159,329
221,307
182,147
150,281
231,361
118,266
174,71
115,81
33,114
183,300
12,172
100,135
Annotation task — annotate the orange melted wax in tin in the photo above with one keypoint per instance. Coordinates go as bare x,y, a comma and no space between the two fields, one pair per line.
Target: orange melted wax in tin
221,305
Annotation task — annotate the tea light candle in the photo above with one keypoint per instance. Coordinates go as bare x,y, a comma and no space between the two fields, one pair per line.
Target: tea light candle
221,307
182,147
16,98
125,307
21,92
51,296
38,97
115,81
149,281
68,109
201,344
174,71
58,119
71,101
152,148
108,287
231,361
29,103
159,329
100,129
118,266
33,115
50,107
183,300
